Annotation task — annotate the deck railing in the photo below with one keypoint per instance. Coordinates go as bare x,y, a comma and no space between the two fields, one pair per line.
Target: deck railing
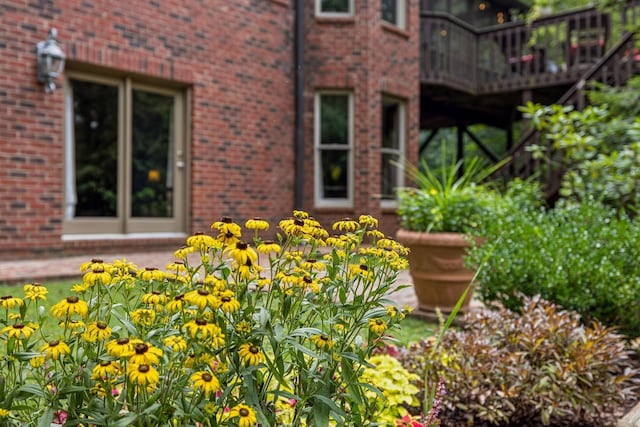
552,50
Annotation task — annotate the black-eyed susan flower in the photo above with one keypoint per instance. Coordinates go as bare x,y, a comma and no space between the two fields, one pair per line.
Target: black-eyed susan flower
176,304
375,234
312,264
98,275
243,327
205,382
70,306
229,231
151,273
360,270
309,284
268,246
294,227
250,354
4,413
37,361
322,341
144,375
72,325
106,369
368,221
121,347
94,262
202,298
346,224
122,268
377,326
154,298
80,288
143,316
246,416
242,253
256,224
229,303
203,242
145,353
392,311
55,349
201,328
35,291
175,343
97,331
18,331
247,271
8,302
184,251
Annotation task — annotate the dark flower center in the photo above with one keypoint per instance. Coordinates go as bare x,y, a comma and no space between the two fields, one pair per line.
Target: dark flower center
143,368
54,343
254,350
242,245
18,326
101,325
201,322
207,377
141,348
203,292
227,219
73,299
123,341
244,412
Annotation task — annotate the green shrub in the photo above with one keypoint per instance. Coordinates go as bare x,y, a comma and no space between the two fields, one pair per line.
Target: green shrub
538,367
582,257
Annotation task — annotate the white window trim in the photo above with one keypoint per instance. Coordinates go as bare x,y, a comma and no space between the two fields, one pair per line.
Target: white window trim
320,13
401,13
400,151
320,201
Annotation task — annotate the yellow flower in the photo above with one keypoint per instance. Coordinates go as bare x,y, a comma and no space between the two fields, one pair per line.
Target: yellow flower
176,304
206,382
257,224
143,316
55,349
322,341
368,221
151,273
250,354
184,251
229,303
230,232
143,374
242,253
377,326
203,242
106,369
154,298
35,291
97,276
145,354
8,302
360,270
268,246
346,224
392,311
72,325
4,413
70,306
200,328
37,361
202,298
247,416
97,331
312,264
123,268
80,288
175,343
294,227
18,330
121,347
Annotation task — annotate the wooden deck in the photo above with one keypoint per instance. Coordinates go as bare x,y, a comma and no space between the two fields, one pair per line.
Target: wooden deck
471,75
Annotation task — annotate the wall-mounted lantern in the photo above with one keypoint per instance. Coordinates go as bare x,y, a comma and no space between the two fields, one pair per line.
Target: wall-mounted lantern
50,61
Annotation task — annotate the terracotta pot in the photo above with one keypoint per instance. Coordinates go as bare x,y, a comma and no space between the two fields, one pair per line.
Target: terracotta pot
437,268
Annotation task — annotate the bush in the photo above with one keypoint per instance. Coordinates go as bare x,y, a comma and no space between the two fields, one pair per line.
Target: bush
582,257
538,367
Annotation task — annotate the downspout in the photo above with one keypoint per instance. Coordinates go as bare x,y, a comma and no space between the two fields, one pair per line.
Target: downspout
299,101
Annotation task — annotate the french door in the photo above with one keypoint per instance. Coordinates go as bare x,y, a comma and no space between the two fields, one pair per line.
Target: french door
125,157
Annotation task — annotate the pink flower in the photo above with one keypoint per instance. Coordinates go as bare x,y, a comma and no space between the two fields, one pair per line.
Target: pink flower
408,421
59,417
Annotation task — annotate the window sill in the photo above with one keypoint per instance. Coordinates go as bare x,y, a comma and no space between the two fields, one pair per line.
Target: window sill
281,2
335,19
394,29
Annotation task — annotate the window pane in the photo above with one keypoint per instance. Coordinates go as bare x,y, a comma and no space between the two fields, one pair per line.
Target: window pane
334,174
334,119
95,137
152,155
335,6
391,125
390,171
390,11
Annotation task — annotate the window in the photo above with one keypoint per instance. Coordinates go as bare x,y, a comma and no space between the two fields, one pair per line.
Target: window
124,149
393,131
394,12
334,7
333,149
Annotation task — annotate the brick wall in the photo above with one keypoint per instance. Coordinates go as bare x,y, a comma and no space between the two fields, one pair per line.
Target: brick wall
236,58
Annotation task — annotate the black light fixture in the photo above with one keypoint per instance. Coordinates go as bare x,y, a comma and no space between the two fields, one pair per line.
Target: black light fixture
50,61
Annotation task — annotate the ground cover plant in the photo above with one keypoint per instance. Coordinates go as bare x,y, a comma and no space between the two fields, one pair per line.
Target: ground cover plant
214,339
536,367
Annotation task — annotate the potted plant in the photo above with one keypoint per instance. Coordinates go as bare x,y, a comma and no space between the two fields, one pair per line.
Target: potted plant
438,218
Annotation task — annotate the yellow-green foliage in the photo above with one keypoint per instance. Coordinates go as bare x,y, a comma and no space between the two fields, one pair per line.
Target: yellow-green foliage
396,384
